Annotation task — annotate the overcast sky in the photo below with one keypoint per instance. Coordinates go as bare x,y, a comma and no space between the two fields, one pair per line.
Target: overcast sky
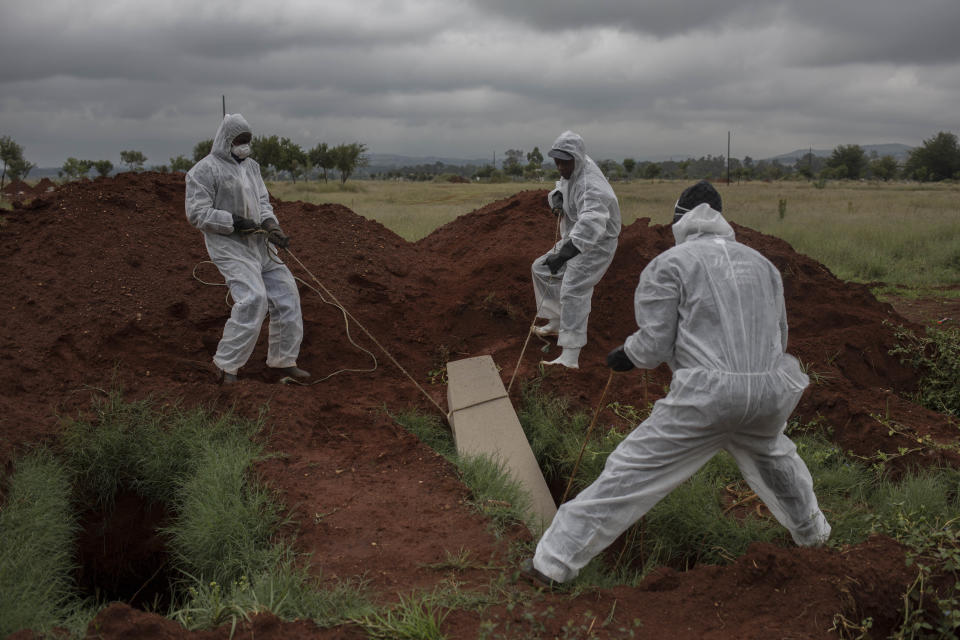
470,78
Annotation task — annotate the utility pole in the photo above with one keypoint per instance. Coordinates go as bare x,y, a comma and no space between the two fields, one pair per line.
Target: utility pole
224,97
728,157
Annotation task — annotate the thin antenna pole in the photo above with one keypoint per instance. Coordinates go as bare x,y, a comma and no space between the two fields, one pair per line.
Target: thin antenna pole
224,97
728,157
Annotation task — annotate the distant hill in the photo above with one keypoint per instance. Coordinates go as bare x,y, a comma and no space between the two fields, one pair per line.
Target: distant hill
39,173
899,151
394,160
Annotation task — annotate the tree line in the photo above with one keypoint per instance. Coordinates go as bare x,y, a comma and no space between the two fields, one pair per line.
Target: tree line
937,159
281,157
278,158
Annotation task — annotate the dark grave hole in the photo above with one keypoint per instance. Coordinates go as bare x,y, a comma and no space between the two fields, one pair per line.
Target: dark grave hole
121,554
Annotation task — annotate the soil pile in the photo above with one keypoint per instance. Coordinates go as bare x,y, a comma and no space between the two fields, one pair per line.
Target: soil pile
17,190
110,294
838,330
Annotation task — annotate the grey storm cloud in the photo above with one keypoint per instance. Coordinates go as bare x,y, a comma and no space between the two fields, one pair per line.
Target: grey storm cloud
920,31
448,77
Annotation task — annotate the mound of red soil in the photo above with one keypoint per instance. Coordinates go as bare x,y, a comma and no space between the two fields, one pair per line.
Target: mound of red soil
109,294
45,185
17,190
837,329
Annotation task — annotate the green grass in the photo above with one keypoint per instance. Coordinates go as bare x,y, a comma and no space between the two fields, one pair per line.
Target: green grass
224,521
286,589
143,447
904,234
417,617
37,527
412,210
936,355
494,492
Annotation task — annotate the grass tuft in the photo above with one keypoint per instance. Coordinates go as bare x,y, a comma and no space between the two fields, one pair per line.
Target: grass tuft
37,527
223,539
142,447
495,493
414,618
937,356
224,520
285,588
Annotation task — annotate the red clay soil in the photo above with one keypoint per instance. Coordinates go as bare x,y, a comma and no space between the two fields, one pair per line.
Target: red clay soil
19,191
103,295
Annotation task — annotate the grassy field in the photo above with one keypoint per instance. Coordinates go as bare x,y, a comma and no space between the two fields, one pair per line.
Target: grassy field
905,234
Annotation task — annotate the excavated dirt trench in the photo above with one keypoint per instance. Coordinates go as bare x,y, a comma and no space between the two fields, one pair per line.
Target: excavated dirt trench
102,294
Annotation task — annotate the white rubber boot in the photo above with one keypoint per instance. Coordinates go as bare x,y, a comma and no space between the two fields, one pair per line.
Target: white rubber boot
552,328
570,358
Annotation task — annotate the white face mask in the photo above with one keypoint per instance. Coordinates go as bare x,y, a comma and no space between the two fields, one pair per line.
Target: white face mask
242,151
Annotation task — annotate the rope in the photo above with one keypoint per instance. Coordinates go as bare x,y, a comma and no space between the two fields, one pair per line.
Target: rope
347,314
275,258
346,326
586,438
533,322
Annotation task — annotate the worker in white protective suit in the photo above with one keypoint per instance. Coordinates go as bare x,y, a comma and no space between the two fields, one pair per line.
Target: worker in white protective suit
227,200
713,310
564,278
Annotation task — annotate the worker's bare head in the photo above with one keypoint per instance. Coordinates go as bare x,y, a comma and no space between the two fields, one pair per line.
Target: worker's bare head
692,197
564,161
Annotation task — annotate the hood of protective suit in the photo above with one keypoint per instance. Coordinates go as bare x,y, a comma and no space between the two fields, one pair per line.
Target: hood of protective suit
219,188
233,125
591,217
700,221
572,143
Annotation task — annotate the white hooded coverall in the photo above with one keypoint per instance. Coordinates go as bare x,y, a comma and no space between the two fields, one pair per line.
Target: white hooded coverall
713,310
217,187
591,220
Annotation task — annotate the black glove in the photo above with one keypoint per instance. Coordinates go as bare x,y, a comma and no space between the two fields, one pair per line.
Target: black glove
618,360
557,260
243,225
276,235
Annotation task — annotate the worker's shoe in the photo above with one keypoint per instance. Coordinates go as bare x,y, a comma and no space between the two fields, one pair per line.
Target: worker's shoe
530,573
228,378
569,357
293,372
549,329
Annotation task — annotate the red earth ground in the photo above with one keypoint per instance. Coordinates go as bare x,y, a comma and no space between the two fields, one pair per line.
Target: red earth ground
102,294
